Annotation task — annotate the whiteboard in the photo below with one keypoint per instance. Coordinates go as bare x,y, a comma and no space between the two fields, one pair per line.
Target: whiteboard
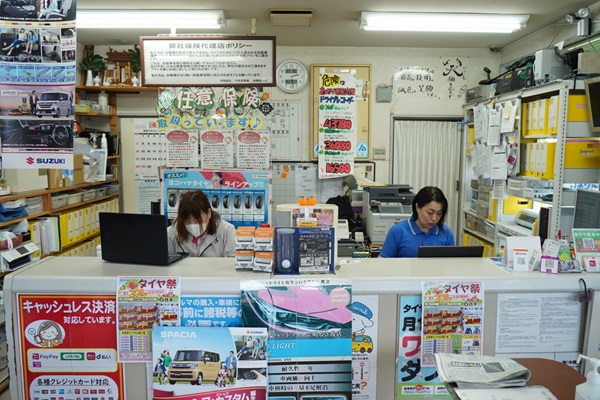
294,180
284,123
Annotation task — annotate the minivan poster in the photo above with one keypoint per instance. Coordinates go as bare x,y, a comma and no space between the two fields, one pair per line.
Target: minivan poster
219,363
36,126
310,335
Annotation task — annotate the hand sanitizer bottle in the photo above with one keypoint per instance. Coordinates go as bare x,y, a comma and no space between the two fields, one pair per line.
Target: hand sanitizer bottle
103,142
590,389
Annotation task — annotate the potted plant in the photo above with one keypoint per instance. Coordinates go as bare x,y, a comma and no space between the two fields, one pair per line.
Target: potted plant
136,63
92,63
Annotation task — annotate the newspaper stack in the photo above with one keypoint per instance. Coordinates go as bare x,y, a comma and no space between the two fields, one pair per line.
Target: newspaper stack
474,371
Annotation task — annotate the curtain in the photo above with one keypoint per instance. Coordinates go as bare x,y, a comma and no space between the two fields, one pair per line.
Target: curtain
428,153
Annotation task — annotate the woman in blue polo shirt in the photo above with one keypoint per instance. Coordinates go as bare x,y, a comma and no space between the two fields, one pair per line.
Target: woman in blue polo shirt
425,227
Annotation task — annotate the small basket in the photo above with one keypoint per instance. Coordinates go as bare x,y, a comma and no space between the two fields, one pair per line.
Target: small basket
88,195
112,189
74,198
100,192
58,200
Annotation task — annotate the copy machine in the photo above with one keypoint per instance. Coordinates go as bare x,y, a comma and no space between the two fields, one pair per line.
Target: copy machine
384,206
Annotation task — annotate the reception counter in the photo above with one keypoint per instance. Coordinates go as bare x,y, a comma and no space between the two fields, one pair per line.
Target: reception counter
388,279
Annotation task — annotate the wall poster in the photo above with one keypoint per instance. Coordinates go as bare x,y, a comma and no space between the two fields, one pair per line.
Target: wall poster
208,60
53,342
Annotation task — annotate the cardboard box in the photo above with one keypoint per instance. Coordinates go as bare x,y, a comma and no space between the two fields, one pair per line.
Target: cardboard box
58,178
75,176
26,180
263,261
263,239
244,259
55,179
244,238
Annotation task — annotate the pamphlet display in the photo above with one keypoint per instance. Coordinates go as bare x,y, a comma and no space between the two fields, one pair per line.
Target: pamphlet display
587,248
304,250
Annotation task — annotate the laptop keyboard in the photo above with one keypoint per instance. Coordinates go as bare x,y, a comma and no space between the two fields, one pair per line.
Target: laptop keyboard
176,256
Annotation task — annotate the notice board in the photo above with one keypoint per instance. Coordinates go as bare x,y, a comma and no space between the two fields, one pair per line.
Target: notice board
363,79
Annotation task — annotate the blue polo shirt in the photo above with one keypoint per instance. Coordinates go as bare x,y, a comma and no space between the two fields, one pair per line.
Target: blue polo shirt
404,239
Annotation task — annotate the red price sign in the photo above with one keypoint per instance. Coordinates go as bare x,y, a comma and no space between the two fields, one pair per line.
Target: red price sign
338,124
335,168
343,145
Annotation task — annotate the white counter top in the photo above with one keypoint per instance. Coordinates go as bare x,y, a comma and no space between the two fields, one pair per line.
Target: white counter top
218,275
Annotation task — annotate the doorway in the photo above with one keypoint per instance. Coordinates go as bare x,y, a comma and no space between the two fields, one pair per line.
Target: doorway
427,152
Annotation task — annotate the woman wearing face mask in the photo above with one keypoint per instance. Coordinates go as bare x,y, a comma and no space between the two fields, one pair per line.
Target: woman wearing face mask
200,231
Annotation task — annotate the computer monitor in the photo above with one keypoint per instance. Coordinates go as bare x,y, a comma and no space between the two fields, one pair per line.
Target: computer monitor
450,251
592,94
587,209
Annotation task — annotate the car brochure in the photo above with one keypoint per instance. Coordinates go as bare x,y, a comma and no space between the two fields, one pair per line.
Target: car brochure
473,371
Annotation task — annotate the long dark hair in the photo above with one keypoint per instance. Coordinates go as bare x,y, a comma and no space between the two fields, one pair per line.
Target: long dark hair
192,204
425,196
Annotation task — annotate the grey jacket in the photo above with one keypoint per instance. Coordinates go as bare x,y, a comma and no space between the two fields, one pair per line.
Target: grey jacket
221,244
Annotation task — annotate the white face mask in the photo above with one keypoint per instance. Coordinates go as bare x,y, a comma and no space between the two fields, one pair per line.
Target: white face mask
196,230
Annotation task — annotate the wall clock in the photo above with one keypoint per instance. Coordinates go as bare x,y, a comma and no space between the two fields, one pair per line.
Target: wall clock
291,76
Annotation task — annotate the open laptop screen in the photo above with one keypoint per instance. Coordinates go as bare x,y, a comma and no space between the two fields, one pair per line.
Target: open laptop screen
134,238
450,251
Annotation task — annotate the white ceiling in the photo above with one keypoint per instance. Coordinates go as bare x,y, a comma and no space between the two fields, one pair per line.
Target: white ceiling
335,22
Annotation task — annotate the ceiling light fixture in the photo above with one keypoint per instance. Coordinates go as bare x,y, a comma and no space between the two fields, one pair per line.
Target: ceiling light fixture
192,19
442,22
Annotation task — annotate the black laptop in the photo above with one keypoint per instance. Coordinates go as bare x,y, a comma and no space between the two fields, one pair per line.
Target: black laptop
136,239
450,251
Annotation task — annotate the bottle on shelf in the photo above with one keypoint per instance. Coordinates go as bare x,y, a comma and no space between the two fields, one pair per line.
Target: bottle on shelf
104,142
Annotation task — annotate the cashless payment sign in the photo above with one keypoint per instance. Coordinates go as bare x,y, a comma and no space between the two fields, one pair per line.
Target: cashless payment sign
67,347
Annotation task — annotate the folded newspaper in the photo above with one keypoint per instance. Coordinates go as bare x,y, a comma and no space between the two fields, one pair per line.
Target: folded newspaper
473,371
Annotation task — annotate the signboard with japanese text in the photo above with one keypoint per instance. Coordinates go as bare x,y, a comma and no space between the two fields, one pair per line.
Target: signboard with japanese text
68,346
452,319
309,324
330,92
587,248
364,347
142,303
444,78
414,380
208,60
337,124
240,197
218,311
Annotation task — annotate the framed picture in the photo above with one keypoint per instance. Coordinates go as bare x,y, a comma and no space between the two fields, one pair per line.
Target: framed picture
208,60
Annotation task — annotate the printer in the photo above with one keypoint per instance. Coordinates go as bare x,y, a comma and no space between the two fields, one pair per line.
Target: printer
385,206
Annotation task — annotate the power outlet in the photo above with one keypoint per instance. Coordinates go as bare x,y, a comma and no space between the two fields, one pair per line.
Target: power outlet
378,153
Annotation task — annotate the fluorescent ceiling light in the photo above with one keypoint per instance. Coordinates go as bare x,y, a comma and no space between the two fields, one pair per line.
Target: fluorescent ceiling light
193,19
441,22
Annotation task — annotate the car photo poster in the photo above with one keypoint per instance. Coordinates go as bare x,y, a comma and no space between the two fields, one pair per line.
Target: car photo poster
452,319
66,346
309,322
215,363
37,84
